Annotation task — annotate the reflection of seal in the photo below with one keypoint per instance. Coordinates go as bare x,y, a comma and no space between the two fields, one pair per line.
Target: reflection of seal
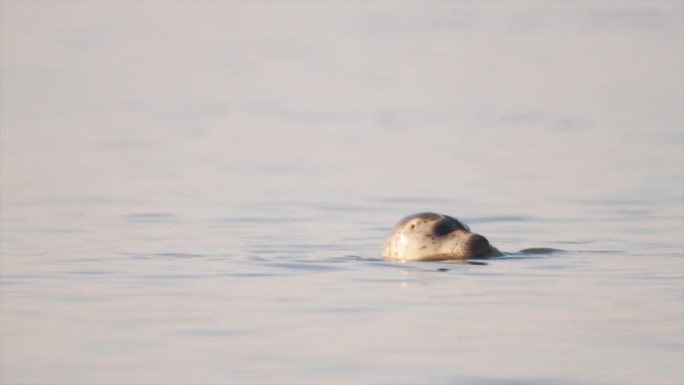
435,237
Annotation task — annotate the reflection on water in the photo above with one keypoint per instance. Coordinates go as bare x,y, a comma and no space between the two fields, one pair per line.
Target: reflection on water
207,204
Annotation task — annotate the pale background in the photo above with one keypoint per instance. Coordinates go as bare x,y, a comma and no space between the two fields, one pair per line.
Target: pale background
197,192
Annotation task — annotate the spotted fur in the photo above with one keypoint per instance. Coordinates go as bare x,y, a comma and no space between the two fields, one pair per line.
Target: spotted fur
435,237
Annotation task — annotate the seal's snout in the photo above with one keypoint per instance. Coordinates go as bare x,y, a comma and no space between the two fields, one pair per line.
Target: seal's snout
479,245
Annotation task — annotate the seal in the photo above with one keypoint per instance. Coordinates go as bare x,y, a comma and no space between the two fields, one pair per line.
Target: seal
435,237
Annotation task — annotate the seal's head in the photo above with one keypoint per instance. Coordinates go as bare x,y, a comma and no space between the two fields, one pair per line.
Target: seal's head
435,237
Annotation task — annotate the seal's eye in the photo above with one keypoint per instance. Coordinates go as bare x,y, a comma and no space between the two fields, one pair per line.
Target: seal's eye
443,228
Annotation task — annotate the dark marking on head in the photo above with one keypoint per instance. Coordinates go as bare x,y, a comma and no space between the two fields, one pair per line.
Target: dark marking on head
443,228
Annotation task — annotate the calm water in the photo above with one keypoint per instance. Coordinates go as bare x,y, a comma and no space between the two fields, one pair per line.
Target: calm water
197,192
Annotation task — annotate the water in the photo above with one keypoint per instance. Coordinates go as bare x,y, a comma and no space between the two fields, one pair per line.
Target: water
198,192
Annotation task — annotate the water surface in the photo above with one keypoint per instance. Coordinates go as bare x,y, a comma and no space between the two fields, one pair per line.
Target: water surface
199,192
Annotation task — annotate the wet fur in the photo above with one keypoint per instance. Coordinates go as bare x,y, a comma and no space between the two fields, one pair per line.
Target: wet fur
435,237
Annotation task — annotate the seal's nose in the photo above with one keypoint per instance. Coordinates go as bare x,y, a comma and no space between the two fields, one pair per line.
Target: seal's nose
479,245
